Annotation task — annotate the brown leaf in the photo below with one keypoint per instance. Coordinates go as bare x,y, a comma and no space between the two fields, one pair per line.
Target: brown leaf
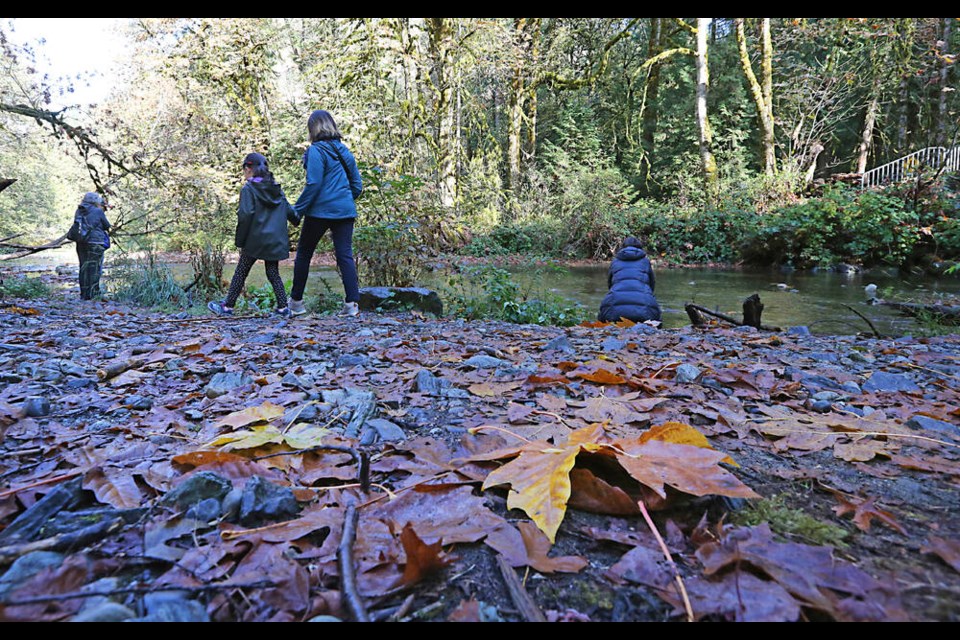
590,493
422,559
537,548
199,458
737,596
601,376
810,574
864,511
251,415
948,550
115,487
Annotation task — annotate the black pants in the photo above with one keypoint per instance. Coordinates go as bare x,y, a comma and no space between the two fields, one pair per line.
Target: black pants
341,232
272,268
91,268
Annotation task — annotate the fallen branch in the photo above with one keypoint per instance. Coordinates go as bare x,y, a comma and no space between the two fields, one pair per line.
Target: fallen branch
876,333
60,597
673,565
40,483
348,578
722,316
62,541
525,604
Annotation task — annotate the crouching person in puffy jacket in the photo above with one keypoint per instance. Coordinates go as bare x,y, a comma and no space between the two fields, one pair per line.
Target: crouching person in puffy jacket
631,285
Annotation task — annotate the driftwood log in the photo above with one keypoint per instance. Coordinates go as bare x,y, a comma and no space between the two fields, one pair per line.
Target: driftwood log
752,311
944,311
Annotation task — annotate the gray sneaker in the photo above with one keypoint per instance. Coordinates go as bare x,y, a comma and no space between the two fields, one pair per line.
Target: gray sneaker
296,307
350,309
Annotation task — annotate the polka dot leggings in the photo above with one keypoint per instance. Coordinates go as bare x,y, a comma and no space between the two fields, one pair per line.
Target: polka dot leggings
272,268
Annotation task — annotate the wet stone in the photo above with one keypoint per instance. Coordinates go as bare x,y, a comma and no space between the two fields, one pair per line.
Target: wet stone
613,344
426,383
484,362
27,566
889,382
560,343
351,360
932,424
264,501
105,612
199,486
206,510
798,331
170,606
687,373
36,407
139,403
223,383
81,383
193,415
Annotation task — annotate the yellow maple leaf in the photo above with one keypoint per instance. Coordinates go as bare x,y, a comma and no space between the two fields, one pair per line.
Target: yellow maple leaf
251,415
256,436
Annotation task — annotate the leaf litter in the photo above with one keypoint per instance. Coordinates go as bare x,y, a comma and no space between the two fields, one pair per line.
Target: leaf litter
216,465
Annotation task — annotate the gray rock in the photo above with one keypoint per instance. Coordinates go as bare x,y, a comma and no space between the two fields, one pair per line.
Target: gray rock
81,383
373,298
27,566
264,338
686,373
820,406
857,356
560,343
36,407
223,383
29,523
105,612
884,381
798,331
426,383
484,362
139,403
851,387
386,430
207,510
641,327
197,487
172,606
264,501
828,396
932,424
294,380
302,413
193,414
824,356
351,360
613,344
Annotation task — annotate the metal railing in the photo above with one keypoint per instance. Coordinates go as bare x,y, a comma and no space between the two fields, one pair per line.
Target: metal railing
910,165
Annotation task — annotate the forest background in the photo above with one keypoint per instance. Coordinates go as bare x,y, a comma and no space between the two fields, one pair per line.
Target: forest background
715,140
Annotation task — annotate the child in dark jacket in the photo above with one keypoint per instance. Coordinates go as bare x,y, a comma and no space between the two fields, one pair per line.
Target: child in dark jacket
631,283
261,233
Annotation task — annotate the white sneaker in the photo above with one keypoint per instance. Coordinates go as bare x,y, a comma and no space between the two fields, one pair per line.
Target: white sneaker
297,308
350,309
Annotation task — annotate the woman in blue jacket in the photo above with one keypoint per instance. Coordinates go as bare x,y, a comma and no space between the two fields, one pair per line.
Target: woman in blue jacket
327,202
631,285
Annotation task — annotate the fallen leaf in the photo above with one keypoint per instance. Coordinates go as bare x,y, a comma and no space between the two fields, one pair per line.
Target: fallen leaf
865,511
948,550
251,415
537,548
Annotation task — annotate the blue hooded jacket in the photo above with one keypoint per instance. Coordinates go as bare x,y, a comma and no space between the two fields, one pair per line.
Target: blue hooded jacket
631,285
331,186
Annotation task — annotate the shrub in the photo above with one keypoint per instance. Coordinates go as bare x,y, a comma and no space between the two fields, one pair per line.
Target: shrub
489,292
147,282
22,287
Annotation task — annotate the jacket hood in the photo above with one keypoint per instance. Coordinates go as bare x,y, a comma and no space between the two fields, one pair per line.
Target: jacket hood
87,207
268,192
631,253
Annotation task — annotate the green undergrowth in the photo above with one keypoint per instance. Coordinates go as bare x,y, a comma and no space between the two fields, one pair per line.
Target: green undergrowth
22,287
788,521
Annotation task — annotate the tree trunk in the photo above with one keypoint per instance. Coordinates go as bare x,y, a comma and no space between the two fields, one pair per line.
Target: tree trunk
942,116
708,162
866,135
650,111
762,93
441,50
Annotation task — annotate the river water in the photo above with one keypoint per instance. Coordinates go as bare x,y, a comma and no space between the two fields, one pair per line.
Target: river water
818,300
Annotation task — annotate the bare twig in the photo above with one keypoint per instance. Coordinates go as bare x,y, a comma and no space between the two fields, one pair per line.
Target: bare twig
140,590
348,579
666,553
865,319
528,608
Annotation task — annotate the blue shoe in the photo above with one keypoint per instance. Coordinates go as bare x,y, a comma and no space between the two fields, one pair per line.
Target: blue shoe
283,313
219,308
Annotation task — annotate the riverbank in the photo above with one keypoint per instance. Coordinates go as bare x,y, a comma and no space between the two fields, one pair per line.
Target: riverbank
849,446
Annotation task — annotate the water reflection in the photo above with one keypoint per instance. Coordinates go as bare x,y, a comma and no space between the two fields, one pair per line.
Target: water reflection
814,299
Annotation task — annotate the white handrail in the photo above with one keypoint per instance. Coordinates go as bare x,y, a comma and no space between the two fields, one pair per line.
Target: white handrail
908,165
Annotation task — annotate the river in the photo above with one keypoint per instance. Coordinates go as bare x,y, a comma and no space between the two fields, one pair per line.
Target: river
819,300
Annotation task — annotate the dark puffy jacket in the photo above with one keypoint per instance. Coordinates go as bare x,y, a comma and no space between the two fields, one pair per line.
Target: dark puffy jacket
262,221
95,219
631,284
331,186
